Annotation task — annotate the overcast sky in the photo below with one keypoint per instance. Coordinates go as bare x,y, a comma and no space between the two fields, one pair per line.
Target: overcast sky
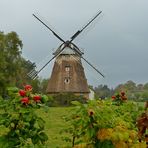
116,43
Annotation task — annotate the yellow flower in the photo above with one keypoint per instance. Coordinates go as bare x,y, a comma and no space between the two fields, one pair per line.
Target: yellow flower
104,134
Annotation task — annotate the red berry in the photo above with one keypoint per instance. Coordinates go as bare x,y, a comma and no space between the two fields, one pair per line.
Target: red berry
22,93
25,101
37,98
28,87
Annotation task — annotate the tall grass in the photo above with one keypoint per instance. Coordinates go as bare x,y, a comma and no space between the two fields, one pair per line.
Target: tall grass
54,125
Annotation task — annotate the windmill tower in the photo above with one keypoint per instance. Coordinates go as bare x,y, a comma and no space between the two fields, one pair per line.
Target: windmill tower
68,72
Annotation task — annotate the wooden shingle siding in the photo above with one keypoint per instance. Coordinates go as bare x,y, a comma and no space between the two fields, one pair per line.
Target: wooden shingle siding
72,80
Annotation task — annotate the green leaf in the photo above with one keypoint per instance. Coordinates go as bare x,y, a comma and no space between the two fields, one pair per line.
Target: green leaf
44,99
41,123
77,103
35,139
43,137
91,132
104,144
13,89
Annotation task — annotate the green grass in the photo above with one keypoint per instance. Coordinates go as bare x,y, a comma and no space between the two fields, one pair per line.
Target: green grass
54,124
141,104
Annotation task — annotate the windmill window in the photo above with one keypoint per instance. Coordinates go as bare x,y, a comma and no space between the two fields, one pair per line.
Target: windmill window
67,68
67,80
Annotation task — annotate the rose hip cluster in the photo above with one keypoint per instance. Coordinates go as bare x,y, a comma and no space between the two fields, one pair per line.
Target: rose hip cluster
25,93
120,96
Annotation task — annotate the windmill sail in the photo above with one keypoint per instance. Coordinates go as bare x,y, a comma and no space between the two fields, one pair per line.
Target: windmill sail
65,43
55,34
85,26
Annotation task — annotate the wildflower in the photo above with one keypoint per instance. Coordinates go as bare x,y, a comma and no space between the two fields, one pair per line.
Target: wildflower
25,100
22,93
37,98
28,87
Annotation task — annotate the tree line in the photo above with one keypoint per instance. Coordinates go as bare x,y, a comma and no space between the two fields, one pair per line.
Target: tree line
137,92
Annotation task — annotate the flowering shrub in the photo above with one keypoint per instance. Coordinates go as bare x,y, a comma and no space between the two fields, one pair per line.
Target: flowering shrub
119,98
18,115
100,124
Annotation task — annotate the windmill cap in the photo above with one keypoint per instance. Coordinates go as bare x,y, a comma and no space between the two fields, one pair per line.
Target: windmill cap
68,49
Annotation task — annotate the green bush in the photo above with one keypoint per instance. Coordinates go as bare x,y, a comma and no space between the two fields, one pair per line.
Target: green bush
65,99
103,124
18,115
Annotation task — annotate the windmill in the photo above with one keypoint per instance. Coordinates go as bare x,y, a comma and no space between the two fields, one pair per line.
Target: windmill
67,73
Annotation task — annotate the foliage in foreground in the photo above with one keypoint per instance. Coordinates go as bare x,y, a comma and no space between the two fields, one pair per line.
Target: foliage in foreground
104,124
18,115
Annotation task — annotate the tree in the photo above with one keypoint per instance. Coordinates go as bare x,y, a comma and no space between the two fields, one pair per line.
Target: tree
102,91
10,54
13,67
130,85
145,86
43,85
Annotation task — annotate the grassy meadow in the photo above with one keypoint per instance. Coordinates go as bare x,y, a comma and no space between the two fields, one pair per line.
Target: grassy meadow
54,125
